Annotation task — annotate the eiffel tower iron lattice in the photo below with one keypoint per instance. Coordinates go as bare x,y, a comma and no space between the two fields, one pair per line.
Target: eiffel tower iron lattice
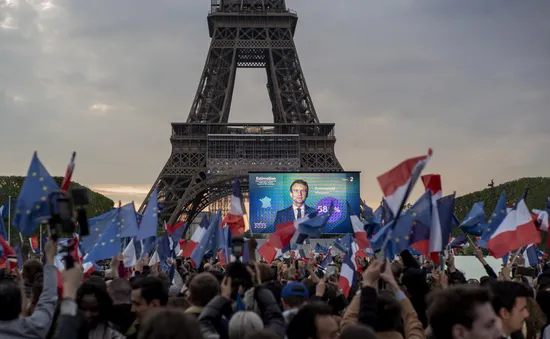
208,152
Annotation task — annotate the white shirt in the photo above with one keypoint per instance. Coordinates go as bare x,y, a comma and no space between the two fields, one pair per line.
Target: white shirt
302,209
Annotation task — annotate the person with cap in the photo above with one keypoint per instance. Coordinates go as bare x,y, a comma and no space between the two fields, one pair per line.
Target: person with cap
294,295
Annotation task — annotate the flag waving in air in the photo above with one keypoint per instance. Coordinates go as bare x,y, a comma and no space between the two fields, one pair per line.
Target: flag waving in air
33,201
517,230
235,218
398,182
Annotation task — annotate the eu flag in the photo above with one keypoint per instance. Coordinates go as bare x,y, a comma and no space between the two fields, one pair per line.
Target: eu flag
107,246
149,222
97,227
344,244
445,208
3,233
495,220
208,241
127,220
33,201
474,223
413,226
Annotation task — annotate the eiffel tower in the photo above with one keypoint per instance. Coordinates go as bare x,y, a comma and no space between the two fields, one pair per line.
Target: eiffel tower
208,152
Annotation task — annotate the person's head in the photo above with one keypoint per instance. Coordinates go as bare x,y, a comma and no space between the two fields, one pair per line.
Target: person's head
463,312
31,269
10,299
485,281
94,303
510,304
120,291
294,294
314,320
298,192
244,322
389,313
169,323
202,288
147,293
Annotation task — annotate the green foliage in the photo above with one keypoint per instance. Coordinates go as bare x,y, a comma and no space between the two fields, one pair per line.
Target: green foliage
10,187
539,191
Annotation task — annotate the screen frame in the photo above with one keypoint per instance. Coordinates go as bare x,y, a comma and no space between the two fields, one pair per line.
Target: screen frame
324,235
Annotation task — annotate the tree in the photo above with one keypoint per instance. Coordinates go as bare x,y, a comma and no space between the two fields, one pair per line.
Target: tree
10,186
539,191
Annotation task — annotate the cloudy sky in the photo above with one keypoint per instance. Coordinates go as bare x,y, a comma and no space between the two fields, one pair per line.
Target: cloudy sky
469,78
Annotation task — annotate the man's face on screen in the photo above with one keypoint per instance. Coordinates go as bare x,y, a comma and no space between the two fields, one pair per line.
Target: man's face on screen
298,193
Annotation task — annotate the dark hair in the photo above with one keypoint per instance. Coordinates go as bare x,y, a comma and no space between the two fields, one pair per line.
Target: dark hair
97,281
10,299
169,323
31,269
389,313
103,299
505,294
239,275
455,305
203,288
151,288
303,325
300,182
486,281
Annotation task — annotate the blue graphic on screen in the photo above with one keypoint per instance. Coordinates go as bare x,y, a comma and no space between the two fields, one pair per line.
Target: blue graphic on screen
273,201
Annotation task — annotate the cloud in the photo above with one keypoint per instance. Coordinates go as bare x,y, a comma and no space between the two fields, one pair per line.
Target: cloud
470,79
125,194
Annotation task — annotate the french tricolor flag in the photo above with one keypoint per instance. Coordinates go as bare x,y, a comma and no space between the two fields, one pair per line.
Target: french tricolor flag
279,241
68,174
358,230
5,252
289,233
432,183
398,182
196,238
543,217
129,257
517,230
345,281
33,241
90,267
235,218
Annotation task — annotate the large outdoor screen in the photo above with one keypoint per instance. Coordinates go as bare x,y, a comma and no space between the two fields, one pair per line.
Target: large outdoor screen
277,198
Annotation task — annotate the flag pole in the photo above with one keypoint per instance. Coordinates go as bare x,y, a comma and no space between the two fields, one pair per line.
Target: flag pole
9,219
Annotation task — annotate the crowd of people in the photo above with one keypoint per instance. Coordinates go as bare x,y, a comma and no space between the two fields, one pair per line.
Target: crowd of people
288,298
